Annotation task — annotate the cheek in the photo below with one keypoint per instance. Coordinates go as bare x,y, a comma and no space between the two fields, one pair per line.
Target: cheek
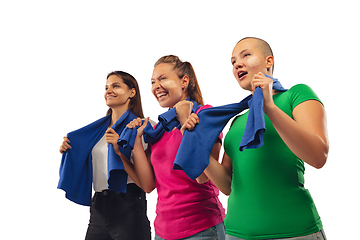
169,84
153,87
234,72
165,84
120,91
253,62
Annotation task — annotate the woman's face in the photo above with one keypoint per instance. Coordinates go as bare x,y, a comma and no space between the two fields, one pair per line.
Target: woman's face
167,87
247,60
117,93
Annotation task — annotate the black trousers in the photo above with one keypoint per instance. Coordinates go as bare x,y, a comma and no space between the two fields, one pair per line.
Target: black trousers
115,216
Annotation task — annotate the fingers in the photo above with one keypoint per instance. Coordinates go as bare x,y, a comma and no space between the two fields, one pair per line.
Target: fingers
184,105
111,136
193,118
65,145
182,102
134,123
191,122
63,149
183,111
259,75
260,80
140,130
137,123
110,131
146,121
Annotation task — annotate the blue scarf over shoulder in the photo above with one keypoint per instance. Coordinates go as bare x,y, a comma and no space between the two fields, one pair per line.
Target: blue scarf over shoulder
167,122
76,163
201,140
195,148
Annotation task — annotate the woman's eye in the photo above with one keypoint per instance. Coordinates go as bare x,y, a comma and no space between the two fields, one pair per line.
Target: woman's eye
246,54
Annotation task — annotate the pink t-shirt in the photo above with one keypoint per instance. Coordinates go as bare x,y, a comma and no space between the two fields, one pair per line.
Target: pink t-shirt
184,206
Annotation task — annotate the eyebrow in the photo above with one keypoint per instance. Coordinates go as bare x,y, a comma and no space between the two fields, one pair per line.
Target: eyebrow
113,83
157,77
240,53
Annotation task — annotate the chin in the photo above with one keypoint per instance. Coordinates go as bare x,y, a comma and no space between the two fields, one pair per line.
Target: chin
164,105
242,85
245,86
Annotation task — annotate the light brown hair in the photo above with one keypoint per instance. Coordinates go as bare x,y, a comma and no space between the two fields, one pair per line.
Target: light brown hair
184,69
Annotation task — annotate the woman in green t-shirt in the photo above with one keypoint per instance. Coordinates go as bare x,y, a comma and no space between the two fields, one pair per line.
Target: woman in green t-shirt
267,198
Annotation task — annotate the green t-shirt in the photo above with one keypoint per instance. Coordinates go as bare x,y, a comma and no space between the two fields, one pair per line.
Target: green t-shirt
268,198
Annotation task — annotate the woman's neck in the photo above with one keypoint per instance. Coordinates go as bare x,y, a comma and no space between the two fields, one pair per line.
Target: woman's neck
116,114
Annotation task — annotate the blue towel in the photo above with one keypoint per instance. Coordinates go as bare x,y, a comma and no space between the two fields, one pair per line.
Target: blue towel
76,163
195,148
167,122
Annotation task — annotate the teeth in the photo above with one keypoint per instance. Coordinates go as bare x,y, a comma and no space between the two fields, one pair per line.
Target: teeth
242,74
160,95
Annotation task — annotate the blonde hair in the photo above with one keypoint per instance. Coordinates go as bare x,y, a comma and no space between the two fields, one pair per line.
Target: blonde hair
184,69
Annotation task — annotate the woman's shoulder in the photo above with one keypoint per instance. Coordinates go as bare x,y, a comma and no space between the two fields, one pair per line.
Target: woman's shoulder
300,93
204,107
300,87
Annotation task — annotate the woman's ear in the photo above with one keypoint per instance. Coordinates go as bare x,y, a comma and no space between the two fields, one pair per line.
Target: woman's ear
185,82
132,93
269,62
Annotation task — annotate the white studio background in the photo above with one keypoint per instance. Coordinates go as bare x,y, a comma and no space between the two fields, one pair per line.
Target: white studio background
55,56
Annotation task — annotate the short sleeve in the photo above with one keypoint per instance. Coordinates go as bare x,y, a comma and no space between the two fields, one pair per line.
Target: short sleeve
301,93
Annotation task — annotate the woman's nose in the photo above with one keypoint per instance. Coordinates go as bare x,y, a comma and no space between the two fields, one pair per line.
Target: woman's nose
155,85
238,64
109,90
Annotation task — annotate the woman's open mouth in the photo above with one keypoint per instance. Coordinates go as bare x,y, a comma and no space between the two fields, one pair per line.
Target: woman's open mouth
161,96
242,75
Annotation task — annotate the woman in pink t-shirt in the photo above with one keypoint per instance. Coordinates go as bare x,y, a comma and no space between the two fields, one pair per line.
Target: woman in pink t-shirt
186,208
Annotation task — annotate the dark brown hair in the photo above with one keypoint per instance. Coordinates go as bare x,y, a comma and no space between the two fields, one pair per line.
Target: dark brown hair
264,47
135,102
184,69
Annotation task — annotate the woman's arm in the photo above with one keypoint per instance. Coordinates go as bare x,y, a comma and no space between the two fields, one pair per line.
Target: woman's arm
142,163
203,178
220,173
129,168
306,134
183,111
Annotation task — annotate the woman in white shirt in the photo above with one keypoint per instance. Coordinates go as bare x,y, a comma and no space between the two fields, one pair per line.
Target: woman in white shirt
115,215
